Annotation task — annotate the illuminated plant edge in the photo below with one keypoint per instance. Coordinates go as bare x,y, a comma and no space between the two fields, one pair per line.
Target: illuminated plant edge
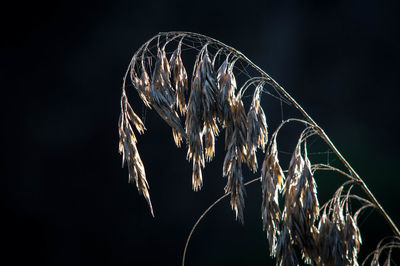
209,101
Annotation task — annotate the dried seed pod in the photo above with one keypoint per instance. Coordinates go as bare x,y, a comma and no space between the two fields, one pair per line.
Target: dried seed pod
197,178
291,186
143,86
227,85
194,129
161,96
201,113
240,130
301,207
257,134
337,245
180,79
177,137
209,91
230,156
285,253
134,118
209,142
271,181
270,211
161,88
236,187
294,172
128,149
352,239
209,86
271,164
330,238
308,197
236,153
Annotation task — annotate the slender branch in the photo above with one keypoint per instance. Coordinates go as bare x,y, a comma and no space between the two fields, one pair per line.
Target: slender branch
320,131
204,214
322,166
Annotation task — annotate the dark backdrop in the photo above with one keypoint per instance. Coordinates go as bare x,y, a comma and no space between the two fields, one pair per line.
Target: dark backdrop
67,200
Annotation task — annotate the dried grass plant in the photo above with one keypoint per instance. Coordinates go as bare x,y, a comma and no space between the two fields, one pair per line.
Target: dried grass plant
198,108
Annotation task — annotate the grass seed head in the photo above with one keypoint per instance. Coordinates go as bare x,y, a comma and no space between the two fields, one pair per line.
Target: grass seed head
209,100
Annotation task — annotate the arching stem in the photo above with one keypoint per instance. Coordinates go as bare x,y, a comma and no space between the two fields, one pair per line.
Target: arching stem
204,214
320,131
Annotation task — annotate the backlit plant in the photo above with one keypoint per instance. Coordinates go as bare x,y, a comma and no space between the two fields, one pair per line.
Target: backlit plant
211,102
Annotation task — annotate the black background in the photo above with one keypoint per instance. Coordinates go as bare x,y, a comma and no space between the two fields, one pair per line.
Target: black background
67,200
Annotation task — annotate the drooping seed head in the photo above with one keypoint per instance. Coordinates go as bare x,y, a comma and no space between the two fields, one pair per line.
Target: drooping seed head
180,80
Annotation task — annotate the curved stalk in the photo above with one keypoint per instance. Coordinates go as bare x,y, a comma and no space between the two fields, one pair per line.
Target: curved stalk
204,214
320,131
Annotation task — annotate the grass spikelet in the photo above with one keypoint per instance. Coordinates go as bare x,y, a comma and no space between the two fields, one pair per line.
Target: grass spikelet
161,85
235,187
236,154
271,182
285,253
209,141
179,78
227,85
161,94
257,135
209,102
301,207
142,86
128,149
352,239
194,129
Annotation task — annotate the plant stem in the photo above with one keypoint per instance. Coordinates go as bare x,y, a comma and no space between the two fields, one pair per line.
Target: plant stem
204,214
320,131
